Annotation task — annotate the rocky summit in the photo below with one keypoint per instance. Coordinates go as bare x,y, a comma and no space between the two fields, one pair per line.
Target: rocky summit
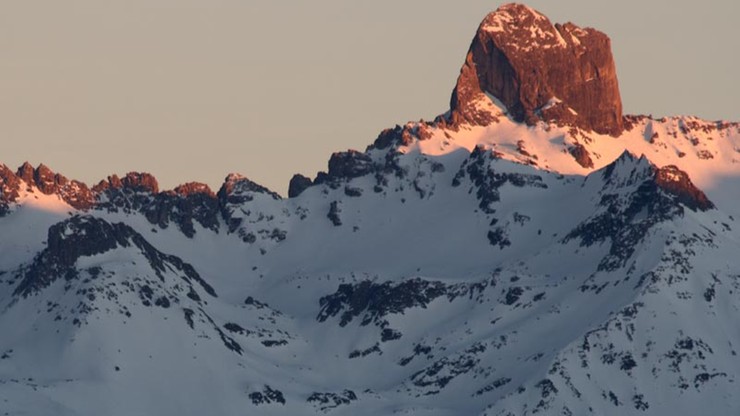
530,252
540,72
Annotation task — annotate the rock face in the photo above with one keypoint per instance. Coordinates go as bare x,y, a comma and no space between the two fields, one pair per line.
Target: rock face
539,71
9,188
298,184
85,236
75,193
235,191
581,155
186,204
677,183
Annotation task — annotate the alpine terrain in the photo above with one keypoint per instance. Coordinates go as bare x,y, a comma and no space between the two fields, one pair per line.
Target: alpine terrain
531,251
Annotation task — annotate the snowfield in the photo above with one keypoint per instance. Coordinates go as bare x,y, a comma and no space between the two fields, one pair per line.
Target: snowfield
458,275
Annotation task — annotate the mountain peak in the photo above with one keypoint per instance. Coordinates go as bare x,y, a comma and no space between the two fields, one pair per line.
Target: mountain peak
236,184
26,172
539,71
511,14
193,188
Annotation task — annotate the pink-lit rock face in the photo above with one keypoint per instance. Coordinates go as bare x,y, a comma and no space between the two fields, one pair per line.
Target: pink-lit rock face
676,182
74,193
193,188
539,71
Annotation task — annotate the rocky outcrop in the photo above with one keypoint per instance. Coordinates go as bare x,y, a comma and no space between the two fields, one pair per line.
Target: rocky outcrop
349,164
9,189
133,181
635,196
75,193
185,205
395,136
26,173
581,155
9,184
344,166
84,236
47,181
235,191
267,396
193,188
328,401
373,301
676,182
487,180
298,184
540,72
133,192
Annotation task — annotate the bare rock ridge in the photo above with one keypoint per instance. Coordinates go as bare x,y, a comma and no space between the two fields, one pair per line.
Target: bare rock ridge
185,205
540,72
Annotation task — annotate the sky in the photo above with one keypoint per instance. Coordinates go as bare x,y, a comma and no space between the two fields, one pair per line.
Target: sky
191,90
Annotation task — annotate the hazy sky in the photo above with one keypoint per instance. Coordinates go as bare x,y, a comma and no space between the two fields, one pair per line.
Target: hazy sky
192,90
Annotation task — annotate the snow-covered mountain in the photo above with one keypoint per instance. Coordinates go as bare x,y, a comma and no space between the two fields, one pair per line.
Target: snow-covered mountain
532,251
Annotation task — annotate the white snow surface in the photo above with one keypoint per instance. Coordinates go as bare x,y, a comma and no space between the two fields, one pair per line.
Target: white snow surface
482,295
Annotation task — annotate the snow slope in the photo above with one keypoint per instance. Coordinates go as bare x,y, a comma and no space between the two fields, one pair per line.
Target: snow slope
456,276
449,269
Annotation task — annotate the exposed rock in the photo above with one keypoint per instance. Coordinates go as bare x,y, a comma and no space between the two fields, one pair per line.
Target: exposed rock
435,377
194,188
373,301
406,134
487,180
298,184
133,181
186,204
581,155
333,214
140,182
112,182
389,137
676,182
268,395
68,241
235,191
83,236
352,192
539,71
389,334
9,188
343,166
26,172
134,192
138,192
350,164
75,193
498,237
624,219
375,349
47,181
327,401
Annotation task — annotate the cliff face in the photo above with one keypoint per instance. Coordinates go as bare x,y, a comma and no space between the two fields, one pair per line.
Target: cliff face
539,71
